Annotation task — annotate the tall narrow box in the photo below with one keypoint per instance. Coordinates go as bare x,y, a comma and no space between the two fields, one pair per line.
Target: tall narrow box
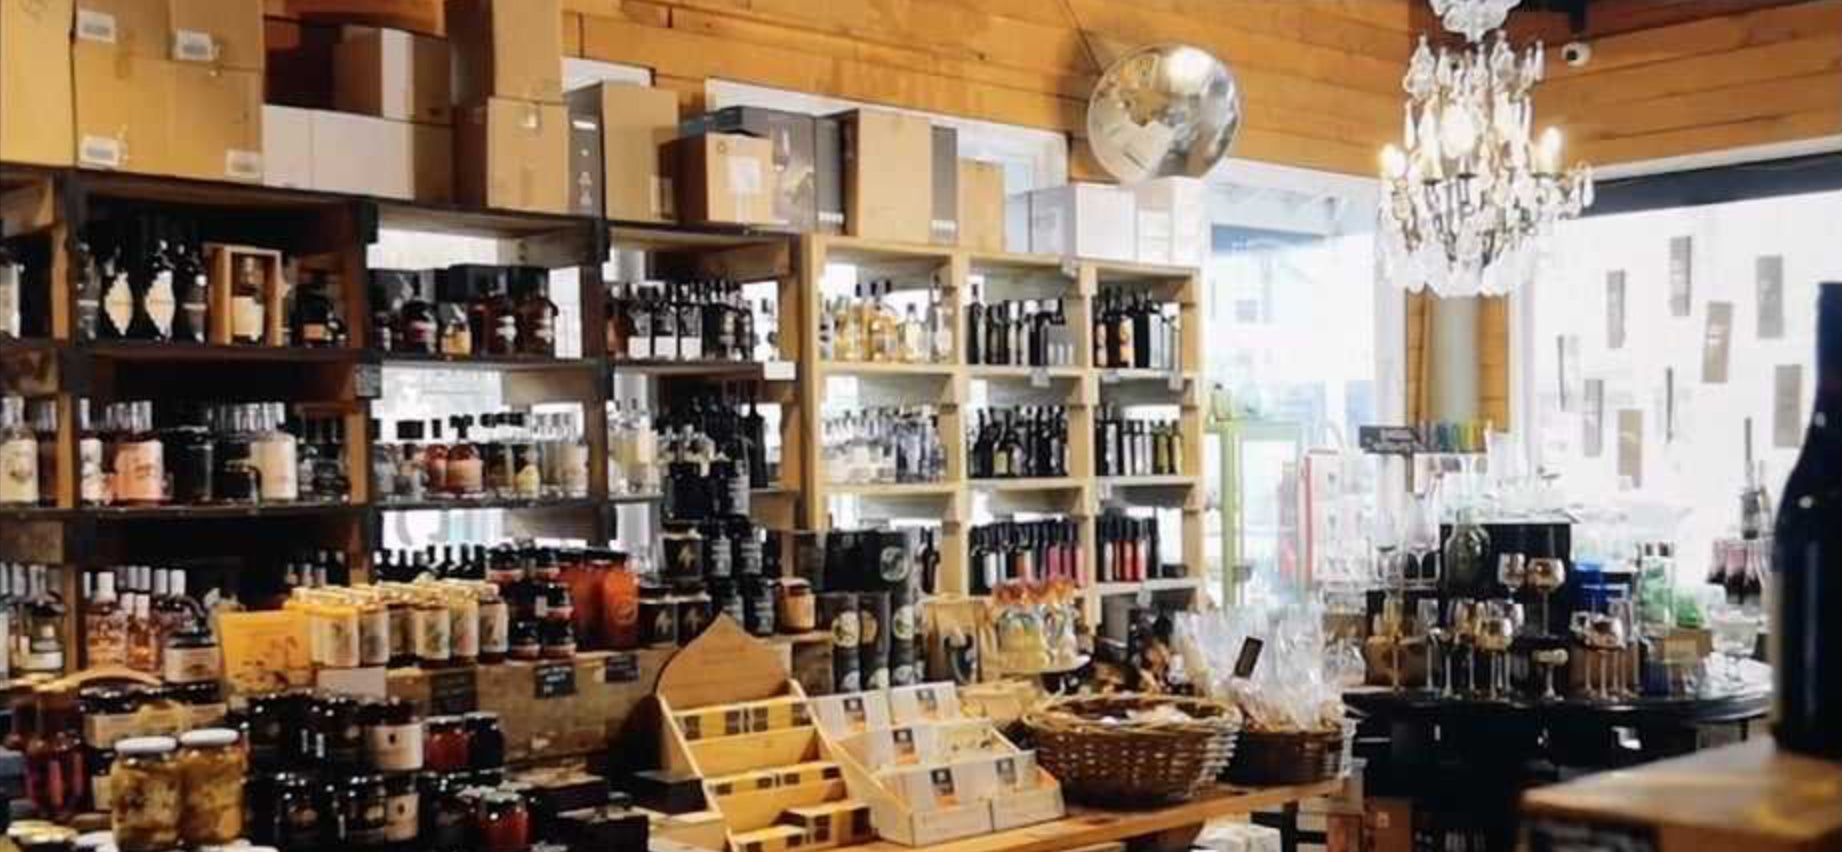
512,155
828,168
506,49
392,74
124,112
793,180
217,122
586,167
1173,221
888,186
635,121
1086,220
943,227
981,205
35,74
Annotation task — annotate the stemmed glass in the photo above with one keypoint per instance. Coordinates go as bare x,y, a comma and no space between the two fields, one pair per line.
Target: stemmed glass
1512,572
1735,631
1549,659
1545,576
1390,625
1426,615
1463,624
1421,535
1624,611
1605,635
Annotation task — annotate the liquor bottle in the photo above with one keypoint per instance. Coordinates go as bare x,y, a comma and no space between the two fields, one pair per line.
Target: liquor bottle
105,623
502,316
18,455
88,267
315,321
192,289
435,460
152,283
44,620
248,302
1807,564
466,470
275,454
412,479
848,321
92,476
536,313
975,329
663,320
308,444
634,322
917,343
940,325
117,296
884,328
140,466
527,481
12,282
572,461
766,326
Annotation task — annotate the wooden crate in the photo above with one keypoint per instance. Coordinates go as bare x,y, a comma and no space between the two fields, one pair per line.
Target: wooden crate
223,262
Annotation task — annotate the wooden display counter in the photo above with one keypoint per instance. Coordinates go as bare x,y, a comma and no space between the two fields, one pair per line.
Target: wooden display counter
1178,824
1745,796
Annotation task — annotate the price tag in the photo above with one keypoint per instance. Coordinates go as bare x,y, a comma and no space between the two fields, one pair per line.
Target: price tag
1389,440
1039,377
1109,377
778,371
453,692
1249,657
621,668
1176,382
368,381
555,680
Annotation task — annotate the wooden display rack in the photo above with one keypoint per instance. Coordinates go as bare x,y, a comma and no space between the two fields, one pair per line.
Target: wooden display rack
1080,388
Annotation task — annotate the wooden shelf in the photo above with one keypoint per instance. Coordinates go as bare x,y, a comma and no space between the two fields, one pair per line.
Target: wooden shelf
500,363
150,351
886,368
990,372
1157,585
508,503
1033,484
635,499
1173,481
219,511
903,489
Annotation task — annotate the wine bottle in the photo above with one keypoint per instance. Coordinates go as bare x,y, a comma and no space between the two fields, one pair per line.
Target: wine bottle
1807,564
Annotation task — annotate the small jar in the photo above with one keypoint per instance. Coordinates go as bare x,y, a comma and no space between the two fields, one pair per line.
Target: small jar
367,810
797,607
758,606
527,642
204,703
393,738
340,740
559,639
658,617
285,812
192,657
270,730
556,601
545,568
485,741
402,819
101,764
146,790
495,626
446,817
694,614
683,549
212,765
108,714
444,745
504,823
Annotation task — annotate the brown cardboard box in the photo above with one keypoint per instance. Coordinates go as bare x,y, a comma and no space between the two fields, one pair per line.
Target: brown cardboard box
981,205
1389,824
35,82
793,180
722,178
392,74
136,27
431,163
222,33
217,122
635,121
124,115
506,49
888,186
512,155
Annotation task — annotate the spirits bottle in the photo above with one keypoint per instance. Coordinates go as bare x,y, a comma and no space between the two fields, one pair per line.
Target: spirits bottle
276,455
636,319
12,282
316,320
105,623
412,471
689,323
44,627
940,325
383,462
92,474
118,297
154,304
975,329
466,471
536,314
18,455
88,267
192,323
1806,653
140,466
248,303
614,322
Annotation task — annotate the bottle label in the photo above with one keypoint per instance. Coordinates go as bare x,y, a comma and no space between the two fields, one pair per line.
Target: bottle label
118,302
374,637
246,318
395,748
402,632
315,332
19,471
464,632
506,331
458,340
161,306
404,818
278,467
140,472
639,348
495,628
434,636
529,481
192,665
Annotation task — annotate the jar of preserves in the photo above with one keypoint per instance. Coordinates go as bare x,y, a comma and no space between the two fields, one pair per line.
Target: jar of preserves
204,703
495,625
446,817
393,737
192,656
558,638
366,801
108,714
402,818
504,823
527,641
285,811
620,605
658,617
273,729
798,609
339,739
485,741
444,745
145,790
212,766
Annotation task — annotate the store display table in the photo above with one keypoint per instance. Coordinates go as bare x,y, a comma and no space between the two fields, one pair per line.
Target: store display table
1743,796
1086,826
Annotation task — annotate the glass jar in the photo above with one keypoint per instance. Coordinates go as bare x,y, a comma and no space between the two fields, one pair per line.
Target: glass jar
495,625
402,818
271,729
108,714
527,641
339,739
620,605
367,810
558,638
212,766
797,607
145,789
446,817
485,741
444,745
658,617
285,811
695,612
204,703
393,737
504,823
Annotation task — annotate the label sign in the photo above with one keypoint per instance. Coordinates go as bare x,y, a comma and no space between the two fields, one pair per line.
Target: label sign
621,668
1249,657
368,381
1557,835
1390,440
453,692
555,680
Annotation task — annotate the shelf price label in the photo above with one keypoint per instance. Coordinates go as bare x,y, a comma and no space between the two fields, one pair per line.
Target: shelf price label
368,381
453,692
1175,382
621,667
1039,377
555,680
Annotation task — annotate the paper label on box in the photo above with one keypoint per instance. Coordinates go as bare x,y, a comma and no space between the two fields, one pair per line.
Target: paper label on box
101,151
243,165
744,175
664,199
194,46
96,26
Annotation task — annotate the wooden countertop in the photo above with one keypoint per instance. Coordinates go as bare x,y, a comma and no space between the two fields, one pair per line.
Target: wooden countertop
1746,796
1090,826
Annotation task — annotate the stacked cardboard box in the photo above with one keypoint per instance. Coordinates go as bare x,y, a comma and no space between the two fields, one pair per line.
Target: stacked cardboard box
511,134
1163,221
169,87
35,82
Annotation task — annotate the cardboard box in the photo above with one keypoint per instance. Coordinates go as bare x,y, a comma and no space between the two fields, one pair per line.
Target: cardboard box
217,122
635,121
793,180
842,715
431,162
136,27
828,177
384,168
1085,220
587,170
506,49
722,178
774,838
944,225
287,146
888,187
512,155
392,74
35,81
981,205
124,115
926,702
219,33
1173,221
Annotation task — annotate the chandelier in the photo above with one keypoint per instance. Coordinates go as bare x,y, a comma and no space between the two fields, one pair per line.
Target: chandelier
1470,192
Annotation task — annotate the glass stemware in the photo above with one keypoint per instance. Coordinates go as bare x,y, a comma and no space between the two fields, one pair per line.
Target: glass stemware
1463,624
1549,659
1426,615
1391,624
1545,576
1630,675
1606,636
1736,632
1512,572
1421,535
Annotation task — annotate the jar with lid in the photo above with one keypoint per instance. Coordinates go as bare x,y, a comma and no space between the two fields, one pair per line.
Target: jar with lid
620,604
108,714
797,607
211,768
402,817
444,747
339,739
285,811
45,838
145,792
758,606
504,823
101,762
485,741
366,800
464,627
554,600
658,617
402,630
683,550
695,612
273,725
558,638
527,642
433,628
393,737
445,816
204,703
55,778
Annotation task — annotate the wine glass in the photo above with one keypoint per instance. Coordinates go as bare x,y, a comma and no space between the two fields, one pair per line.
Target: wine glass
1606,635
1629,676
1495,631
1390,625
1546,575
1549,659
1736,632
1426,615
1421,536
1512,571
1580,627
1463,624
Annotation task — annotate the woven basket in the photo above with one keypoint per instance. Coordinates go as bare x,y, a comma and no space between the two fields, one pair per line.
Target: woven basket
1264,759
1119,762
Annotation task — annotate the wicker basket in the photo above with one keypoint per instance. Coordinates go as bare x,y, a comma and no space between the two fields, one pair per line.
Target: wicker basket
1263,759
1117,762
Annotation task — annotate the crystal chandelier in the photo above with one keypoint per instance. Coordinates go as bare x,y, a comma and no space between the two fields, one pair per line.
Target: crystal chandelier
1470,192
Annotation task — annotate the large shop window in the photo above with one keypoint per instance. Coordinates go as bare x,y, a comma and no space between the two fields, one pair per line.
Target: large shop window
1656,341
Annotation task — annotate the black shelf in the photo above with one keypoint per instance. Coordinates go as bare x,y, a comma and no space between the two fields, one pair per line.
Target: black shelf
514,504
501,363
219,511
159,350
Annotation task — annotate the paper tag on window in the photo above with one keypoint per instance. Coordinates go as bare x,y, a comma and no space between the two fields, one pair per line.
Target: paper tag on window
194,46
1039,378
96,26
533,118
243,165
101,151
744,175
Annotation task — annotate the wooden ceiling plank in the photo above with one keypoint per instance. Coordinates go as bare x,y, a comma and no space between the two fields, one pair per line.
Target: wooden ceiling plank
1725,105
1718,137
1707,36
1798,58
1296,21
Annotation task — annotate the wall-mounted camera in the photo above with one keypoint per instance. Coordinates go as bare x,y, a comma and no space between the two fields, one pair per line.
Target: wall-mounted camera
1577,53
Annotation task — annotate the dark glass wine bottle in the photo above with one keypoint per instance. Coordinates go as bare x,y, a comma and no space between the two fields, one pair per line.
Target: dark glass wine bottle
1807,564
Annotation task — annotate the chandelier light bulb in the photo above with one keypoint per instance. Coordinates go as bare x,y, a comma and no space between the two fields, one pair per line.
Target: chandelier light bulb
1394,163
1548,160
